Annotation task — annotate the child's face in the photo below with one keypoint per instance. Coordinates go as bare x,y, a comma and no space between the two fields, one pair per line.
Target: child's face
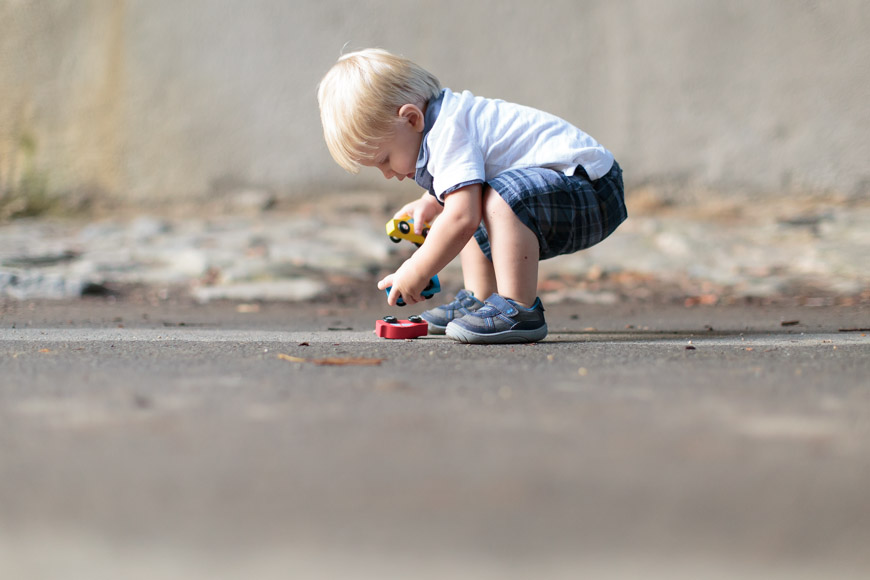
396,155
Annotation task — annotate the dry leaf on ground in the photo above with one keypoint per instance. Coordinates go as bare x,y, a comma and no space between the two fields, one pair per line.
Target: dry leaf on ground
335,361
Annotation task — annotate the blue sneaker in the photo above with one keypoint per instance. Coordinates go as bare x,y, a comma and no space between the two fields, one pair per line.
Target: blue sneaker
500,321
439,318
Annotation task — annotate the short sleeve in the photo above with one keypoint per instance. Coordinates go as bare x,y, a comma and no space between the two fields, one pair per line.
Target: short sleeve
455,158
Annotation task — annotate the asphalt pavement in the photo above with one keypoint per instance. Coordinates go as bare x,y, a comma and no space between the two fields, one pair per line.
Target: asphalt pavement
178,440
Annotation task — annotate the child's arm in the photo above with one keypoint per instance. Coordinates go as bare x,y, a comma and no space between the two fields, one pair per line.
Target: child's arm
451,231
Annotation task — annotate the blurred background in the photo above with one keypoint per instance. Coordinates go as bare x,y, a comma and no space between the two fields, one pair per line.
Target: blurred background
143,100
748,119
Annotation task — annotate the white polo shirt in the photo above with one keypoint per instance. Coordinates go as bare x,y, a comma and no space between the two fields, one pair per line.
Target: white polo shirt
470,139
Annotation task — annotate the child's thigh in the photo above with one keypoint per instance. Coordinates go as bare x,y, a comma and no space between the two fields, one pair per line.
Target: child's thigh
566,213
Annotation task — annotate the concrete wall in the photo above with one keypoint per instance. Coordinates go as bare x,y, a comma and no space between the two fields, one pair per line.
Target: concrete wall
148,99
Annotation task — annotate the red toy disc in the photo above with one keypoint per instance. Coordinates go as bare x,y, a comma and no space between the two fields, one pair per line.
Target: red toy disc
401,329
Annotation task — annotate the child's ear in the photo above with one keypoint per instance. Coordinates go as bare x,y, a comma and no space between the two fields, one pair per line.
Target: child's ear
414,115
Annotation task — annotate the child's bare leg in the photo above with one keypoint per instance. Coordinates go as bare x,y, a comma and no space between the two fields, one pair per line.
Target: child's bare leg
514,249
477,271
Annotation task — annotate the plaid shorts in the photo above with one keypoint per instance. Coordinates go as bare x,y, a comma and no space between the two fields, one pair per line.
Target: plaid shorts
566,213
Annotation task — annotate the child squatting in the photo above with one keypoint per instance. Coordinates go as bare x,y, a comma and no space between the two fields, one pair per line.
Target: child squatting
509,185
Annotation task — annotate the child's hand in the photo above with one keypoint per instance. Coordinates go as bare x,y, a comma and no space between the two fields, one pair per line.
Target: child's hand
422,211
406,283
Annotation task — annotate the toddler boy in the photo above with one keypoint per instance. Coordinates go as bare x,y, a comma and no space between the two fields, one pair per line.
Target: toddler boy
509,184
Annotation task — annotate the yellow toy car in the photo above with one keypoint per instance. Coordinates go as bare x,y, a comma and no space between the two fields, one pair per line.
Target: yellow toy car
403,229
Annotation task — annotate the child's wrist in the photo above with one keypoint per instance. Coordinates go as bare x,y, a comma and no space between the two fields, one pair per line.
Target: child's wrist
410,269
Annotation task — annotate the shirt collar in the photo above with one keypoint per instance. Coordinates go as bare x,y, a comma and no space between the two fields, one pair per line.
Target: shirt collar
422,175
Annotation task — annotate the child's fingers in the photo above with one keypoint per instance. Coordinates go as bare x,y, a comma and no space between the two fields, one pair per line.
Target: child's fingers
418,220
406,210
385,283
407,296
395,292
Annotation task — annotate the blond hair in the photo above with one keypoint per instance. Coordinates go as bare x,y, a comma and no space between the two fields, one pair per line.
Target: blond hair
360,98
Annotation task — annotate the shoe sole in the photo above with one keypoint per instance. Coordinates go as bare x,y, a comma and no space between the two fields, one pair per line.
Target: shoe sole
435,329
463,335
